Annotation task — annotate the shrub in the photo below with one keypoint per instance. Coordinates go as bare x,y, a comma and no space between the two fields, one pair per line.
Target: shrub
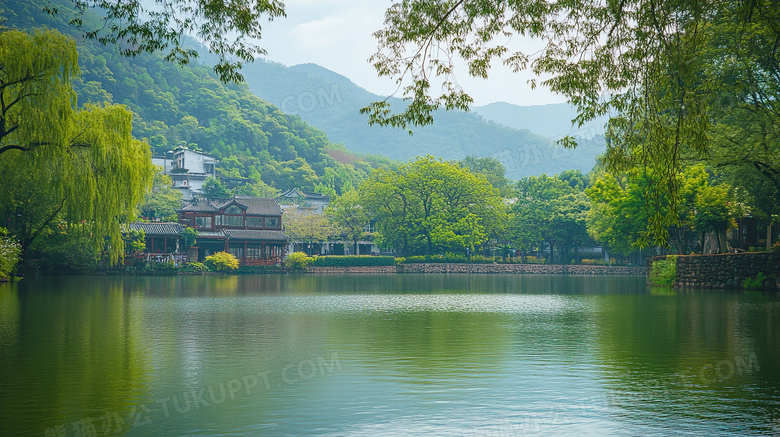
756,283
775,247
593,262
9,254
67,253
165,267
352,260
481,259
297,261
664,271
194,267
221,262
534,260
399,260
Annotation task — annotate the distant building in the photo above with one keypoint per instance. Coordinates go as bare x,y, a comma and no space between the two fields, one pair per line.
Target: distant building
301,202
308,203
188,169
250,228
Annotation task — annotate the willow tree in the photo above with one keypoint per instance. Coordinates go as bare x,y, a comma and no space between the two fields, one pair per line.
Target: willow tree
81,163
641,62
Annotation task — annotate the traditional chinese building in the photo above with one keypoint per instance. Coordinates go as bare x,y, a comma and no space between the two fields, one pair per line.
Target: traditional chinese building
250,228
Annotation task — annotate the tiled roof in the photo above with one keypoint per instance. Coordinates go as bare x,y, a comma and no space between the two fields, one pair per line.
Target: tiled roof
295,193
241,234
259,205
211,234
253,205
162,229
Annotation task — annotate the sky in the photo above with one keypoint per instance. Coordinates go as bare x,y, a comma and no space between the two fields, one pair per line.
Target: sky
337,34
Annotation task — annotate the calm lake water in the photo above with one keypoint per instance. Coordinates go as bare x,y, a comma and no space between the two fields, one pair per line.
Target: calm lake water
364,355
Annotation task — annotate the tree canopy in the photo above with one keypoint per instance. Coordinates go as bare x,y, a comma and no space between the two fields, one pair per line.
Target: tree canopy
671,74
228,28
80,164
429,205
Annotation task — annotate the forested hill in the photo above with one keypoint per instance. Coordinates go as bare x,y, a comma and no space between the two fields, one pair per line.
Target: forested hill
176,105
332,103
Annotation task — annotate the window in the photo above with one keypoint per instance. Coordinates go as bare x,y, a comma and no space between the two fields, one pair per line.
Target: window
233,209
238,252
254,252
271,222
218,220
233,220
254,222
203,222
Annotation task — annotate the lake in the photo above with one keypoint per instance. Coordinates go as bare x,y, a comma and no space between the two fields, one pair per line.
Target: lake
385,355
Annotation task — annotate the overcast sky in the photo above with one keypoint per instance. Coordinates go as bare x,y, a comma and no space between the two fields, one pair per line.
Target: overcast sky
337,34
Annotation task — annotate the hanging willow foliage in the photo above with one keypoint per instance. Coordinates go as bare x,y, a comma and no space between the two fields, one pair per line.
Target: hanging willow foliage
84,158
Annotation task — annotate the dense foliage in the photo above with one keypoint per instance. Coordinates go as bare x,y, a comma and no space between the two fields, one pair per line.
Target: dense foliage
550,212
429,206
682,80
221,262
228,27
59,161
175,105
297,261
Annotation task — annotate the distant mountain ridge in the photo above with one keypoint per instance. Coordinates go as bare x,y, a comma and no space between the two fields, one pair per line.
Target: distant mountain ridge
331,102
552,120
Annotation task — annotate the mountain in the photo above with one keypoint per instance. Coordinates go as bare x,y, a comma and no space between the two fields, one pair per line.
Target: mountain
553,120
177,105
332,102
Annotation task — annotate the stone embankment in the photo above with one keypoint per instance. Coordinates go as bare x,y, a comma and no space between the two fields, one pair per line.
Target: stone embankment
352,269
726,270
489,269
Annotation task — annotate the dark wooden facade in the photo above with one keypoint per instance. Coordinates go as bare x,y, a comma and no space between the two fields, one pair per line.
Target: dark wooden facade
250,228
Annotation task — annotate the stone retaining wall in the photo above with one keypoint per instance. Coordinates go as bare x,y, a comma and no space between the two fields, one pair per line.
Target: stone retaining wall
522,269
353,269
726,270
488,268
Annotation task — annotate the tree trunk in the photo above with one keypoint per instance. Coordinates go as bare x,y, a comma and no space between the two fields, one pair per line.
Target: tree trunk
769,236
552,253
703,234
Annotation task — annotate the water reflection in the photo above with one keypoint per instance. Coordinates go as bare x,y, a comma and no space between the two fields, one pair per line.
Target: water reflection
385,355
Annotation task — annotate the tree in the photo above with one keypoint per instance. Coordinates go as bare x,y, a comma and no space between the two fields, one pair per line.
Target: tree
492,169
81,164
655,66
161,201
348,214
307,228
548,210
190,236
227,28
214,189
618,216
430,205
